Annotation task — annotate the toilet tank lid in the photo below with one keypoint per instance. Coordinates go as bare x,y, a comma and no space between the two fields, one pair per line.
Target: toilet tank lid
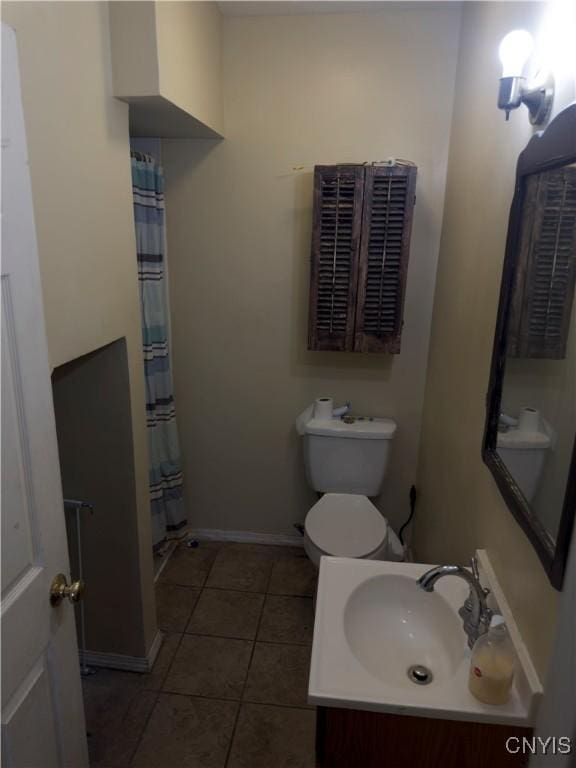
364,427
516,439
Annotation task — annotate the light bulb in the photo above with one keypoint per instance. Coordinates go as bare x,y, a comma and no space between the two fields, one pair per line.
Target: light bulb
514,51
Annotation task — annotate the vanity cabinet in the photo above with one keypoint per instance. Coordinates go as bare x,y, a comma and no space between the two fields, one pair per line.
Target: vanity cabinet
346,738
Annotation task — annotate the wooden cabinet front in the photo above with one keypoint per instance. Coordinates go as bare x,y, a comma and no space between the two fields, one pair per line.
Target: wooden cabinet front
348,738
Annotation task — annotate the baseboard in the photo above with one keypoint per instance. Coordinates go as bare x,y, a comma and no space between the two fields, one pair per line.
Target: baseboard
166,555
154,649
120,661
245,537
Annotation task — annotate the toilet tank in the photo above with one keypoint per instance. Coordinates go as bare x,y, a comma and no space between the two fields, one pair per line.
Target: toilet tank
524,455
347,457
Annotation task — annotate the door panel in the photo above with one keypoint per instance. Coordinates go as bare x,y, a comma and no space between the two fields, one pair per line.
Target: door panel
17,558
42,710
32,702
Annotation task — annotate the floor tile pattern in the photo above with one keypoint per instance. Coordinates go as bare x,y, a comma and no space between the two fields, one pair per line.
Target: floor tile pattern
228,688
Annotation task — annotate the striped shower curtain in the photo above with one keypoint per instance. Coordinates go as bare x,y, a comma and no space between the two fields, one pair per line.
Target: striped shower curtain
165,475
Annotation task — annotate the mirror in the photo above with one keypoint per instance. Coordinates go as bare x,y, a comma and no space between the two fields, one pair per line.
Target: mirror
529,440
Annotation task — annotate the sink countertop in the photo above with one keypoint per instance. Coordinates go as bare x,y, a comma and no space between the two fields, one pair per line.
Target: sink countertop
351,668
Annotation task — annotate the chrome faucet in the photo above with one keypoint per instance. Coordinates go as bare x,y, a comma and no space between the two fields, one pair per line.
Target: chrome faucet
475,612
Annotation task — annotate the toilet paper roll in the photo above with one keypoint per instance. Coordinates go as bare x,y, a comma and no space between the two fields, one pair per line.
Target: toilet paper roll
529,420
323,407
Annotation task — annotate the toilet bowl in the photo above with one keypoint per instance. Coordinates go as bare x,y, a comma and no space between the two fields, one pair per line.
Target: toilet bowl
347,525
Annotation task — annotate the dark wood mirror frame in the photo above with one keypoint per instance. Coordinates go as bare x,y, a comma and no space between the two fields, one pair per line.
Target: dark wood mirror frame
553,148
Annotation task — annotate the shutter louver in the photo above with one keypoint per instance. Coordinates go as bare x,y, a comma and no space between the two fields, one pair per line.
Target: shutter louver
544,287
386,228
338,192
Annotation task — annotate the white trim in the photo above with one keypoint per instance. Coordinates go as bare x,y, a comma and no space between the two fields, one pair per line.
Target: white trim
154,649
120,661
170,549
245,537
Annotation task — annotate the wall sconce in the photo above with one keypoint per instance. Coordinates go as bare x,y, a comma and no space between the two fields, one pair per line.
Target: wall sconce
515,50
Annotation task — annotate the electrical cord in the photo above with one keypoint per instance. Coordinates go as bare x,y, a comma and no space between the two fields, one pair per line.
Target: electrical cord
411,515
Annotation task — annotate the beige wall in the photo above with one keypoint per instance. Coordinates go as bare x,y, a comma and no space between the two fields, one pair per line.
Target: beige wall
189,56
80,168
134,47
167,62
298,90
460,508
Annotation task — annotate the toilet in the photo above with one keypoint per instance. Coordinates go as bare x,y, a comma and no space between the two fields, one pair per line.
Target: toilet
524,454
346,460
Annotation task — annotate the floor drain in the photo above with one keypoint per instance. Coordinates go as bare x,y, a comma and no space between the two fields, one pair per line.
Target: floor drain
420,675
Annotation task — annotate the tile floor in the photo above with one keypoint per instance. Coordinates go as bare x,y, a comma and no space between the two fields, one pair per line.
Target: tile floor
228,689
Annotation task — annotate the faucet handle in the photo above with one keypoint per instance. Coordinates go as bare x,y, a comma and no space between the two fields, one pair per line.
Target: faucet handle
466,609
474,567
476,573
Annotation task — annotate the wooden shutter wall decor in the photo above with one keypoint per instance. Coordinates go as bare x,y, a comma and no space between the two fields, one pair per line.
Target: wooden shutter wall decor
543,292
338,192
384,250
360,247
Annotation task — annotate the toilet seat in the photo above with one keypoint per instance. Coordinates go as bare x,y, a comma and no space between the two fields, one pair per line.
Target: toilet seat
345,525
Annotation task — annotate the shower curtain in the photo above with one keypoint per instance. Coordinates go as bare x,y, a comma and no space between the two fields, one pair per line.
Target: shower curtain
165,475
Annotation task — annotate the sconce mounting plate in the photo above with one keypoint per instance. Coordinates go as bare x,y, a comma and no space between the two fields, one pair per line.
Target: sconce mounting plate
539,101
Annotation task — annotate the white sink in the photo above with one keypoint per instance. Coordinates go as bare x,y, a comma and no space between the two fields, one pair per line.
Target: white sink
374,624
391,625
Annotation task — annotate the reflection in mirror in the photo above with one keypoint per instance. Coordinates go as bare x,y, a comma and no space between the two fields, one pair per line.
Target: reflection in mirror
529,439
537,426
538,408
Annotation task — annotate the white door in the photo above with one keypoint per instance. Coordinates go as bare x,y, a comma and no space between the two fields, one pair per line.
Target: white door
42,710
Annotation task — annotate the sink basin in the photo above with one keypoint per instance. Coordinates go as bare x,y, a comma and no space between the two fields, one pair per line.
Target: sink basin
382,643
391,625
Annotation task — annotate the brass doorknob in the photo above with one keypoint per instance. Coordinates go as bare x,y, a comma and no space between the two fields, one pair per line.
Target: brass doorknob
59,589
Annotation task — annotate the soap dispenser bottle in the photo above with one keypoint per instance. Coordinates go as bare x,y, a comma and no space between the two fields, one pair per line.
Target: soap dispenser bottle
492,664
